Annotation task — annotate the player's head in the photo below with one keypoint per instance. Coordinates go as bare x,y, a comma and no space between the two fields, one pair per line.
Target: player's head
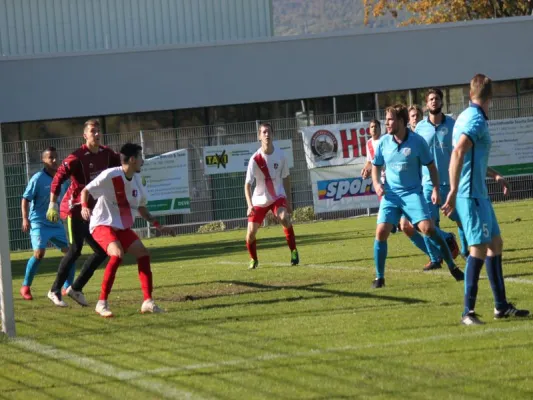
264,133
49,158
131,155
481,89
375,128
434,101
415,115
91,132
396,118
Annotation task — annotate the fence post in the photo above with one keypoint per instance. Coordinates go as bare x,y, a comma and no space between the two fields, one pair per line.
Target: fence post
27,160
141,137
334,110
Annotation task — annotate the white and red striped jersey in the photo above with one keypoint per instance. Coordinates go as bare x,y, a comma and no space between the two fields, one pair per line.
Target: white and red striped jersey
268,172
117,199
371,147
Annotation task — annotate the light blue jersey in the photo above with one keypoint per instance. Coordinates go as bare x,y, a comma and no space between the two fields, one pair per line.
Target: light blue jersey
403,163
439,140
472,122
38,193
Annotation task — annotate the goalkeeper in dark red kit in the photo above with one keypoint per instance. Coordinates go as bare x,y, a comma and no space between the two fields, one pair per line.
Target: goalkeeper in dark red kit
81,167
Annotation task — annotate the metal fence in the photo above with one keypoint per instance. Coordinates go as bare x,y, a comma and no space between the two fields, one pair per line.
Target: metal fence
219,197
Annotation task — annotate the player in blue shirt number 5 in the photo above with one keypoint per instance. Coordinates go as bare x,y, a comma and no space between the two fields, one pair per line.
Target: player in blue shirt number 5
469,196
403,153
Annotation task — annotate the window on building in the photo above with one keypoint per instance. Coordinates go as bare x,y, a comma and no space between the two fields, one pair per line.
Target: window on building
190,117
10,132
504,88
387,99
346,103
38,130
526,86
148,121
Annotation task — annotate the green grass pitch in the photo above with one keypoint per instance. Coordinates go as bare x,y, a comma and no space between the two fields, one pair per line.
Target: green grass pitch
315,331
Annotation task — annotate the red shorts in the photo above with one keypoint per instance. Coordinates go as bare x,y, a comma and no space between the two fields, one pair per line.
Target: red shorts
104,235
258,214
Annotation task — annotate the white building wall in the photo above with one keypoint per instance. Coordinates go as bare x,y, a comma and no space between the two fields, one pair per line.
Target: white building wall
77,85
34,27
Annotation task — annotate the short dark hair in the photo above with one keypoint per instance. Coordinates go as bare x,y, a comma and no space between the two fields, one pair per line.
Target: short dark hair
49,148
375,121
128,151
436,91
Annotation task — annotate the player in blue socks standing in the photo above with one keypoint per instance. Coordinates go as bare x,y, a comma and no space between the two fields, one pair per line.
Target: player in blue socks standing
402,153
469,196
34,220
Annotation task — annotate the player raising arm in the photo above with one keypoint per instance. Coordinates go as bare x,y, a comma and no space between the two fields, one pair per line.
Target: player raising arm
81,167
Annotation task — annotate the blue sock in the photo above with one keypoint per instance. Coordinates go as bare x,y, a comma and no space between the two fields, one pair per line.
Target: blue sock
495,274
462,240
70,277
418,241
440,243
380,255
31,269
432,250
472,271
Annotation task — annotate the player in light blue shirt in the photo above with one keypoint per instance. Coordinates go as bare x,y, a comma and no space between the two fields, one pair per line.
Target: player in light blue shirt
403,153
469,196
34,220
437,130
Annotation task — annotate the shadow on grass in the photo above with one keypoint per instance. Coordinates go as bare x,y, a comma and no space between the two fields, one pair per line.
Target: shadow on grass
188,252
243,287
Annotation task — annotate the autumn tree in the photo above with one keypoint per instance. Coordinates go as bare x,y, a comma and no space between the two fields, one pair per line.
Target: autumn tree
439,11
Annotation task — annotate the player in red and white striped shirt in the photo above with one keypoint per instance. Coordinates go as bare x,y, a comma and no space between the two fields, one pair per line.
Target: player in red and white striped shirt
120,196
375,131
269,169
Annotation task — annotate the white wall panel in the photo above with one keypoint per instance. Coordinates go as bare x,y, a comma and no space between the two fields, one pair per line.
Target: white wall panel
35,27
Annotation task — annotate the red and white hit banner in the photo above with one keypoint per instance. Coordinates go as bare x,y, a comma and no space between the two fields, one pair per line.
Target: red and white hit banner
332,145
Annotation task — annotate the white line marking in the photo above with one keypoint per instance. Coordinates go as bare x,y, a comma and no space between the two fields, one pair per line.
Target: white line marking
314,352
444,270
134,378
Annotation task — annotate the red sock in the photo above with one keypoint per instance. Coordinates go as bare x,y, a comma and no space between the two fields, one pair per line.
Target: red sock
252,249
109,276
145,276
291,239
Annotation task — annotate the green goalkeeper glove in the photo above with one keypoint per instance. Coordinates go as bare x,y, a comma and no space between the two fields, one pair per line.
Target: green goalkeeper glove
52,214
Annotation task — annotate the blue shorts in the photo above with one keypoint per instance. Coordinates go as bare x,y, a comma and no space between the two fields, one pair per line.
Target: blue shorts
434,209
42,235
412,206
478,219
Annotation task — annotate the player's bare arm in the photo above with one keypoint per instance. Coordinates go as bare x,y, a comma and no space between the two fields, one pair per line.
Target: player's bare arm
492,173
456,165
145,214
367,169
85,210
434,176
288,191
25,206
376,175
248,195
